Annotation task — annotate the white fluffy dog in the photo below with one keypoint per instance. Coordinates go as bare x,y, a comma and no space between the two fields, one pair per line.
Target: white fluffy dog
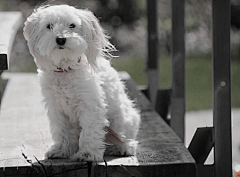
88,107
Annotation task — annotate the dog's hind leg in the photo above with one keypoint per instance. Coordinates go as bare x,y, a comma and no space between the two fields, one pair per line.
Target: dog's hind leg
125,124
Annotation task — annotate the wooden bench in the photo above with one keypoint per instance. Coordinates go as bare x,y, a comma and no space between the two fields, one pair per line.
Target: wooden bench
9,24
25,137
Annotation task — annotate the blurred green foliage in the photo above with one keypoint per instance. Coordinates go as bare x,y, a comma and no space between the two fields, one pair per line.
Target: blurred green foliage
8,5
198,78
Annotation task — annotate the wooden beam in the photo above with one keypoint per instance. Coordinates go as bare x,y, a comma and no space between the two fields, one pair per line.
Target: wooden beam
9,24
178,68
152,62
222,88
163,103
205,170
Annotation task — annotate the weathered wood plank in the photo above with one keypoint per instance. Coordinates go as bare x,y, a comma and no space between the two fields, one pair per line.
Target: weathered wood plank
23,122
152,70
176,170
178,68
222,88
24,129
9,24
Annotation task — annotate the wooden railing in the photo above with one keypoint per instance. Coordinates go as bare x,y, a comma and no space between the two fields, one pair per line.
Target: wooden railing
205,139
9,24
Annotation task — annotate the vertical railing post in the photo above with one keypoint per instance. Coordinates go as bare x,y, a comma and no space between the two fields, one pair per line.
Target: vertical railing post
152,62
178,68
222,88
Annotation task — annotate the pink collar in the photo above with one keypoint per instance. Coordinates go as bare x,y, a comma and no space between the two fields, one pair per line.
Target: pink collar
60,70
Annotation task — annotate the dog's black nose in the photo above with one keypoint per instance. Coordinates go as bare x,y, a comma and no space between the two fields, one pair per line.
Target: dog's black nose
60,41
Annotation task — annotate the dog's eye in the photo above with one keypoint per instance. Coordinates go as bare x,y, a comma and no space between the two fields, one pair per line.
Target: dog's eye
72,26
50,26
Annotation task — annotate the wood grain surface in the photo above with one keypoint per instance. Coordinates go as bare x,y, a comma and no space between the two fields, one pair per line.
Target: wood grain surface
25,137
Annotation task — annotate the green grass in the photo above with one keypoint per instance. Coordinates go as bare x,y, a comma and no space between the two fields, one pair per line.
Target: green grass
198,78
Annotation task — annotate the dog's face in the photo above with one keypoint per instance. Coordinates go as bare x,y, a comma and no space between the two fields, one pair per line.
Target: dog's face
58,36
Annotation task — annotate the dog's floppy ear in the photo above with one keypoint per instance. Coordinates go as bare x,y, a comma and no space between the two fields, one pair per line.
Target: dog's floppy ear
31,27
98,43
31,32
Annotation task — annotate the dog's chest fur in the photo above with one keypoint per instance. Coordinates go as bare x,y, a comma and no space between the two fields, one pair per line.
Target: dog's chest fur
62,92
71,93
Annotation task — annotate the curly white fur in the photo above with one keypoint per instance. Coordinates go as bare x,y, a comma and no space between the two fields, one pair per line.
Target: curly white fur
83,93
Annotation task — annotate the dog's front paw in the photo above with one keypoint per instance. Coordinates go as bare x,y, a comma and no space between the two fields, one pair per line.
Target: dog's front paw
128,148
87,156
60,151
55,154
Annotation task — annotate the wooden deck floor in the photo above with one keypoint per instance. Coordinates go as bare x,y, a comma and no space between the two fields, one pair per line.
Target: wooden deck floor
25,137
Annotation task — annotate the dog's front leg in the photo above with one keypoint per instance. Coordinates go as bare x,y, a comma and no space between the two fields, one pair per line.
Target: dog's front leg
93,121
64,135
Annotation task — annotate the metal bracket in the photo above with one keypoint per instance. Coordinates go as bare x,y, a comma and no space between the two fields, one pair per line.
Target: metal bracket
201,144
